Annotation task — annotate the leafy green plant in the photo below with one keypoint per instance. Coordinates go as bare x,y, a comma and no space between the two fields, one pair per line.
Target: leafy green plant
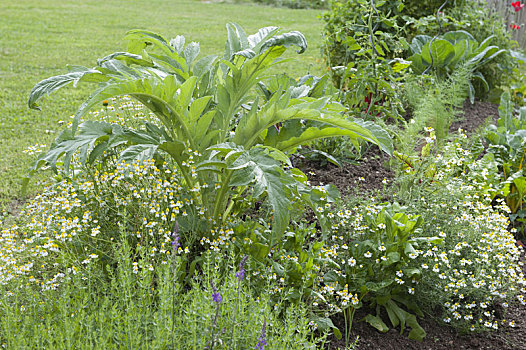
372,264
335,150
222,139
445,53
368,77
471,277
507,148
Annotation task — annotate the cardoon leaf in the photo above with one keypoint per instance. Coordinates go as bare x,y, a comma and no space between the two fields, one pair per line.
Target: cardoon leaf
139,152
90,132
266,176
247,53
138,39
47,86
288,39
127,57
191,52
256,40
178,44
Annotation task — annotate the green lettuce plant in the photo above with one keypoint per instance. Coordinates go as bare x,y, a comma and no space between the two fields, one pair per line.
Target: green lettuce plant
223,139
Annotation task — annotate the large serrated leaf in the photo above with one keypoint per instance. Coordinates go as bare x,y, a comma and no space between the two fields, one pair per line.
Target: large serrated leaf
256,40
90,132
47,86
138,39
257,167
127,57
139,153
191,51
293,38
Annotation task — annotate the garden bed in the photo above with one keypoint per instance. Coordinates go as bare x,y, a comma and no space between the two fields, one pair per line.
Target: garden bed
193,202
370,175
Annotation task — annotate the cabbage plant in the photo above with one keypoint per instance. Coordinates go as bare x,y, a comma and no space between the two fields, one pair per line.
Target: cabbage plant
447,52
224,139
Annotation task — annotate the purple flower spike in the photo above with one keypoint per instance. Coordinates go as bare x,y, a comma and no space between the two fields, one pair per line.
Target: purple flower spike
215,295
241,273
262,341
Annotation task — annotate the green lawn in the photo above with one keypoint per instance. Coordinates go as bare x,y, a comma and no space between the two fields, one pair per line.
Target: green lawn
39,38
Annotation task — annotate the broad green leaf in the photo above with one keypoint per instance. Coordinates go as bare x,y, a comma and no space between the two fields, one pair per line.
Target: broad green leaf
174,149
204,65
491,54
480,76
256,40
416,64
127,57
461,51
418,43
506,111
90,132
259,251
395,321
288,39
471,91
351,44
401,315
441,50
178,44
247,53
237,40
325,323
417,332
380,135
392,258
266,176
457,36
330,277
138,39
139,153
377,286
400,65
376,322
311,134
483,45
117,69
191,52
484,56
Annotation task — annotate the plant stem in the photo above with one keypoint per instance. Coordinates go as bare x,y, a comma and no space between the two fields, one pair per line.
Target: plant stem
219,204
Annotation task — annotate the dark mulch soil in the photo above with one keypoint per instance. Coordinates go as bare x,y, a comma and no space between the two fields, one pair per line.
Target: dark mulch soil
368,174
475,115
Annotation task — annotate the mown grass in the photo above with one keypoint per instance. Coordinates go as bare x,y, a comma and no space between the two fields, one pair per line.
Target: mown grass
39,38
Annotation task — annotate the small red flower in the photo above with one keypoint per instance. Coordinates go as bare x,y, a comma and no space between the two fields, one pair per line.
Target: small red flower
515,27
517,6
